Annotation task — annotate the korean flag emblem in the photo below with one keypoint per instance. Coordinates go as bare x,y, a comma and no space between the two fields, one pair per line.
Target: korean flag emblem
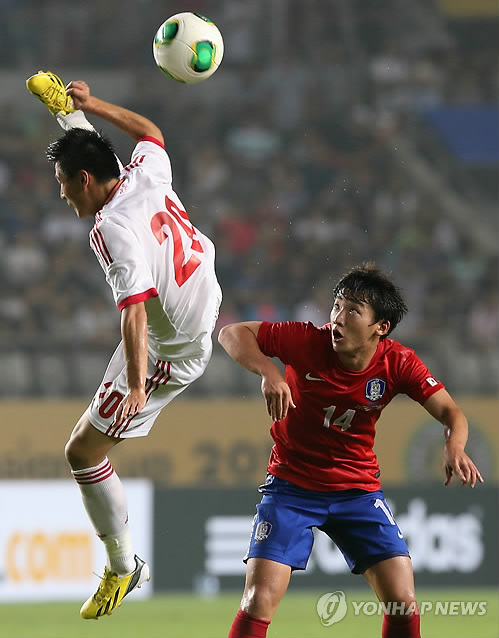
375,389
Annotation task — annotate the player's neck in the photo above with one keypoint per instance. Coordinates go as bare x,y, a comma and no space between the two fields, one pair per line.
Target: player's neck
358,359
101,194
110,188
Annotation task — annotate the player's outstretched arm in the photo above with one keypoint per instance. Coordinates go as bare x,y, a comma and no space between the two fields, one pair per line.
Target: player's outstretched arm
129,122
442,407
240,342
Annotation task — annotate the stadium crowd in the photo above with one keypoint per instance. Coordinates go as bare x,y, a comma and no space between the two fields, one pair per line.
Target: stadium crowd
292,174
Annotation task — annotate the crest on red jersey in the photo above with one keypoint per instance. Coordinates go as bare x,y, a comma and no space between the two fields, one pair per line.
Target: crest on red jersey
375,389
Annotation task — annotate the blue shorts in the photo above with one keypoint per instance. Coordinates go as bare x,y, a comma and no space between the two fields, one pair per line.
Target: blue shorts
360,523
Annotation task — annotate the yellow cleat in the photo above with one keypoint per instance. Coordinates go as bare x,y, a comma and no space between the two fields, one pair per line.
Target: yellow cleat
113,589
49,89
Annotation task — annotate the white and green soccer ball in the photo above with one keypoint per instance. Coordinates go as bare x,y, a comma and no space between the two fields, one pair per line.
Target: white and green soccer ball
188,47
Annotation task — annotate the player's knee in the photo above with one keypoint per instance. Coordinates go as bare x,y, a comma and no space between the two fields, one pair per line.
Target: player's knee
405,595
397,591
260,601
75,453
403,605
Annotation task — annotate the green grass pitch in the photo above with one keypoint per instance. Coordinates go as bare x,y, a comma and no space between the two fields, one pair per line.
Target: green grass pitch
184,616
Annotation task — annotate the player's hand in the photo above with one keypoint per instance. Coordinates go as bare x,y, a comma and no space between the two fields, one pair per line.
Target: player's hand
79,92
458,463
277,396
131,405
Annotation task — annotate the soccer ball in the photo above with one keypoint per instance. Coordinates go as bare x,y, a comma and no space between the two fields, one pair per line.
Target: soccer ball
188,47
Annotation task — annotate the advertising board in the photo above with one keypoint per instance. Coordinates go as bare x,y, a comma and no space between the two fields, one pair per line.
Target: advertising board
49,549
451,534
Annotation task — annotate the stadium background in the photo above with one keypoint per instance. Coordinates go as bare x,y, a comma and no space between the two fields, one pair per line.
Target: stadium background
336,131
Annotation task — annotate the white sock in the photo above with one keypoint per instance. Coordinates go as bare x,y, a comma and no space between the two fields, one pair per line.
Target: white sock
105,501
76,119
121,558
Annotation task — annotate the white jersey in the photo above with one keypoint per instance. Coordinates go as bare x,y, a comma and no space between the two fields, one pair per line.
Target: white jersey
151,252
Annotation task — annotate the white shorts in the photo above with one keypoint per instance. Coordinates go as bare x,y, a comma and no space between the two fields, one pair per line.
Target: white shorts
165,380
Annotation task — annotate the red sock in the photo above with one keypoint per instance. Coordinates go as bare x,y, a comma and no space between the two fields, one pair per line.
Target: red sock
401,626
245,626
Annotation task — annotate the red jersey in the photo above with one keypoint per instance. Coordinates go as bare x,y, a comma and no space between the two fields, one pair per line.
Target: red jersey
326,442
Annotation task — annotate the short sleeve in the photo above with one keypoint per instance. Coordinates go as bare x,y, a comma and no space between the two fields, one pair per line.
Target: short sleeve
122,259
283,339
151,157
417,381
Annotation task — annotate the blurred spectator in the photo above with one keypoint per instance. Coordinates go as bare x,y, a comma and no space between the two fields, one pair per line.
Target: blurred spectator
315,308
484,322
25,260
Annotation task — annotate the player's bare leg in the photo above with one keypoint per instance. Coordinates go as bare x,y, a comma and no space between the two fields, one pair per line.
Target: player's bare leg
87,446
266,583
393,582
105,501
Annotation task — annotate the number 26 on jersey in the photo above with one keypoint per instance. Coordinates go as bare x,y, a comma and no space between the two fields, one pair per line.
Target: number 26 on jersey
174,220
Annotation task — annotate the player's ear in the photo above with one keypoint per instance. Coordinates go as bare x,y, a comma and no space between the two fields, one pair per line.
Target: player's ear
84,178
383,328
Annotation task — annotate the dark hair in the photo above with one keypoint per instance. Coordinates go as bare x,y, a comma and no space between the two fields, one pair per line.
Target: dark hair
368,284
82,149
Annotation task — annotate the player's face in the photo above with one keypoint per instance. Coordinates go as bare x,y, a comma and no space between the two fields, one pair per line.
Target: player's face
354,327
73,191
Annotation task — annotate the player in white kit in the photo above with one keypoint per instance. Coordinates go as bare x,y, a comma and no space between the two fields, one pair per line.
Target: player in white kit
161,271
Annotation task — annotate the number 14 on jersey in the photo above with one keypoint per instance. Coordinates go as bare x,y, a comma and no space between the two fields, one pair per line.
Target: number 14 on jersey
344,420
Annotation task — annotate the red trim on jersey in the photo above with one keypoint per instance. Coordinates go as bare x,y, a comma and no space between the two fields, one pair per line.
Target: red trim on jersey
135,163
111,427
112,430
167,371
141,296
160,377
94,242
157,378
149,138
113,191
126,425
97,239
108,254
122,427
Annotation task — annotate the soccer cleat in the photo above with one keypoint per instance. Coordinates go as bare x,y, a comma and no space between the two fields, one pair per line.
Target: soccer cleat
49,89
113,589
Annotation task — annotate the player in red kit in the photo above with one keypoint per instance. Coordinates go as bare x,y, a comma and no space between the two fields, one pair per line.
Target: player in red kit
323,471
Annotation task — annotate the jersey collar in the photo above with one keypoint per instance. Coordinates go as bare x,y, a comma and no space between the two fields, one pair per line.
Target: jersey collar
113,191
